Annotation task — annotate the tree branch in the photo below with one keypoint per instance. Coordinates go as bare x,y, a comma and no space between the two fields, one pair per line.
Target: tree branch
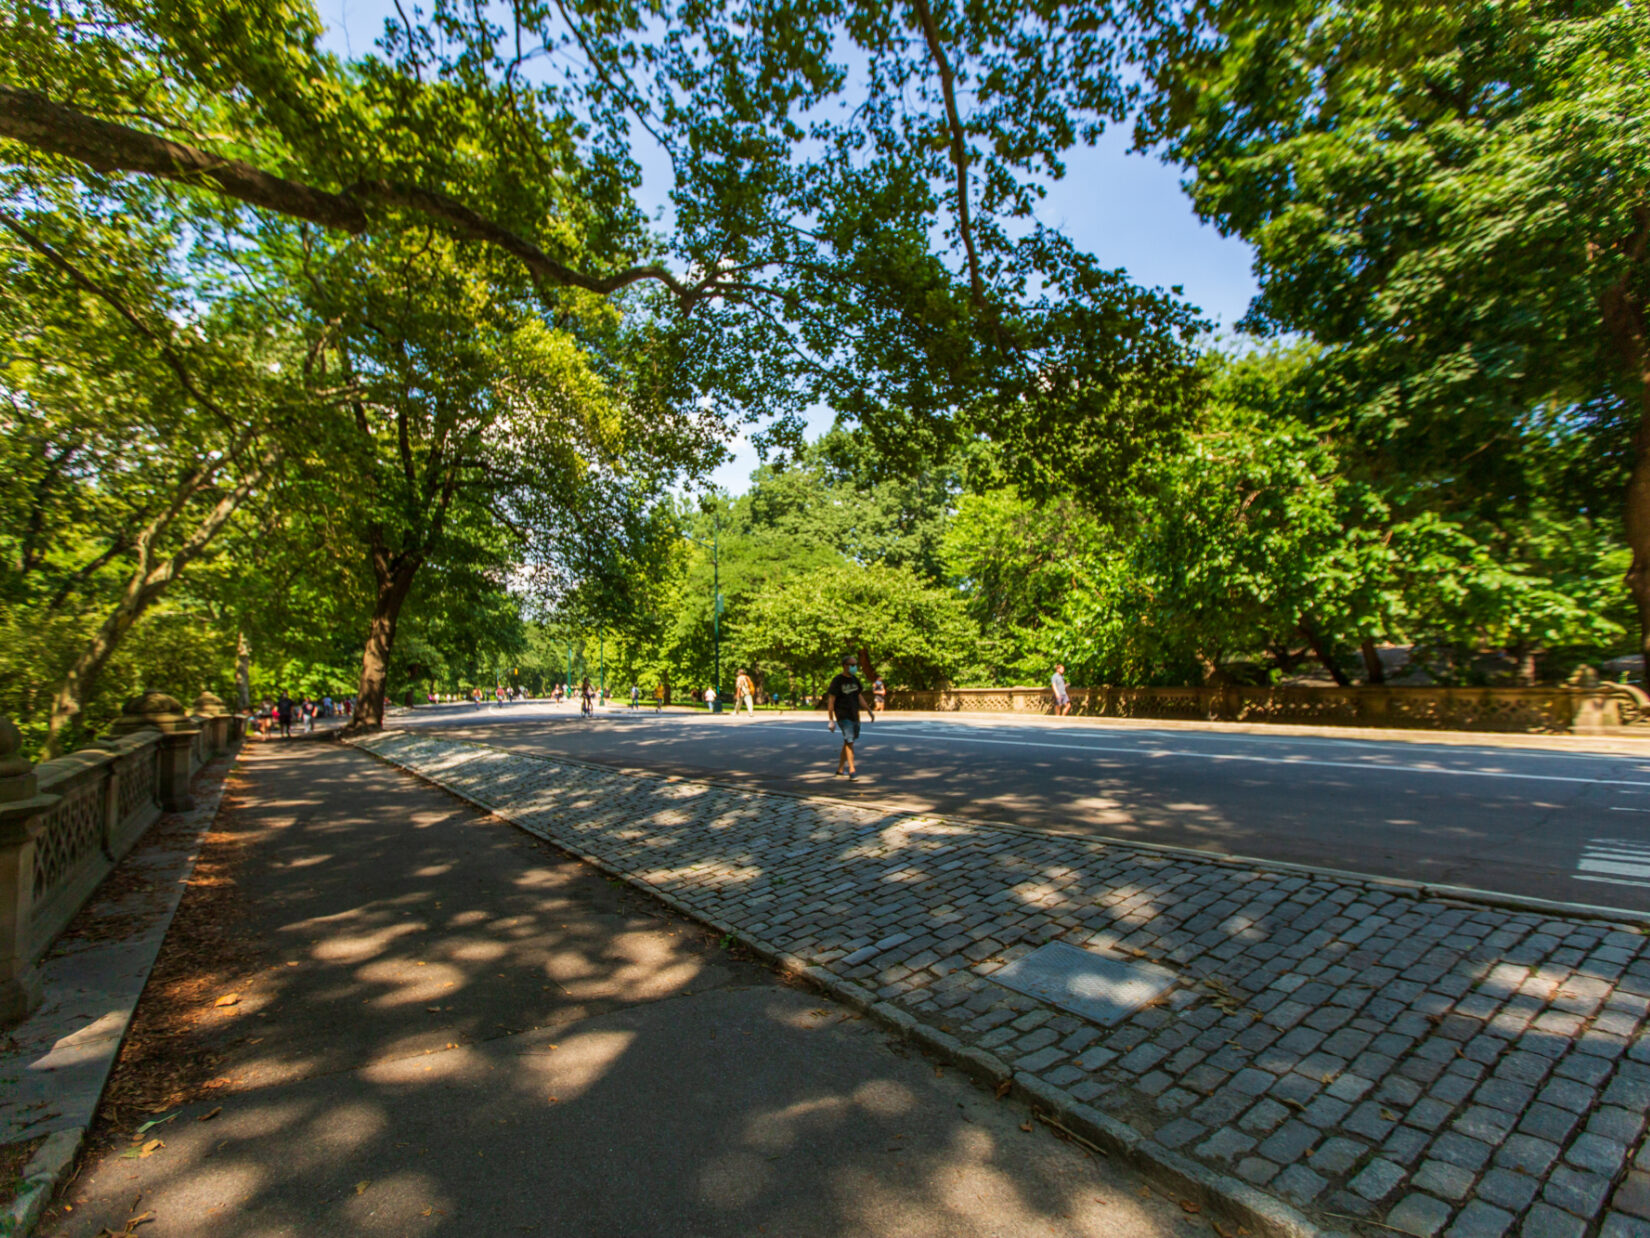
36,121
959,145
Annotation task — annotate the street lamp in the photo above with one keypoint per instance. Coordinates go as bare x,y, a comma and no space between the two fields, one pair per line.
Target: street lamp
716,607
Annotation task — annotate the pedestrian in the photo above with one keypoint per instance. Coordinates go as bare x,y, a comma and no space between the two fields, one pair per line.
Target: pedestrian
659,697
587,698
744,694
266,713
309,716
710,698
1062,695
283,714
879,695
635,696
842,703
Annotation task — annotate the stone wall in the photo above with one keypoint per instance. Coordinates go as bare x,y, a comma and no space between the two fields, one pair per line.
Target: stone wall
1601,708
65,823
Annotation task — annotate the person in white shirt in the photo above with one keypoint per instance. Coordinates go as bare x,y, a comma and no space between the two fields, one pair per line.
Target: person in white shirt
744,693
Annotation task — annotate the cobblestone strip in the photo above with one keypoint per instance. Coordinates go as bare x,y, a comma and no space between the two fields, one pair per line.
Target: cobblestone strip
1439,1067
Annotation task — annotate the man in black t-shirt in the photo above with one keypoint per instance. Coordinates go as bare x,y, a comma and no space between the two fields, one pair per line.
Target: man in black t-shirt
842,703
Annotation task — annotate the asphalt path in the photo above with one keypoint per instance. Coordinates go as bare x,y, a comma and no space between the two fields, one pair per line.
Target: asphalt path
1562,825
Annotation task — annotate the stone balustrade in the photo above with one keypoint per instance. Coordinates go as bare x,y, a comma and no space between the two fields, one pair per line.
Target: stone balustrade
1602,708
65,823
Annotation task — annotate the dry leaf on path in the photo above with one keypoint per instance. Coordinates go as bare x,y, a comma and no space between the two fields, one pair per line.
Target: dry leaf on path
361,1186
210,1114
150,1148
228,999
1002,1088
1027,1127
1187,1205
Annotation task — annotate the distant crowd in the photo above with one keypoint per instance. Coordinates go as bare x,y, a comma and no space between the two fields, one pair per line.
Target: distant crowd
280,715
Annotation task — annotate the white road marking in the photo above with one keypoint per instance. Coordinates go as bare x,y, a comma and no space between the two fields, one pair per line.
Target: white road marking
1626,861
1363,766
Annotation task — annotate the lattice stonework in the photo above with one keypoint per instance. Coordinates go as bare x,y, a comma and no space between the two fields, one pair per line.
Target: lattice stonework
73,832
137,785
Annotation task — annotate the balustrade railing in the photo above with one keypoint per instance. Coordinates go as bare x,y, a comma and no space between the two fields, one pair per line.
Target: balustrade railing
65,823
1595,709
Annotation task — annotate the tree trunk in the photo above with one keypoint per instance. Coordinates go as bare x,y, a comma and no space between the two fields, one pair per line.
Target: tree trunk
394,583
243,672
1325,653
1637,527
147,583
1624,314
1374,672
69,701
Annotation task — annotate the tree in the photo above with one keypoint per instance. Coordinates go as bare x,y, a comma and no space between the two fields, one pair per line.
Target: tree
133,467
920,636
1452,199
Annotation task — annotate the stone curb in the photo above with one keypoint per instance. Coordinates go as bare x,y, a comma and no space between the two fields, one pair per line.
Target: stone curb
1166,1169
47,1168
1391,885
53,1161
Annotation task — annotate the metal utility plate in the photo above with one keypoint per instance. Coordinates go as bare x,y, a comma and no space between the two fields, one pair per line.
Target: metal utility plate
1099,987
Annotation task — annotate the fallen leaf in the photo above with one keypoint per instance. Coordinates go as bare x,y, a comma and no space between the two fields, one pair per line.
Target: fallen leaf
1002,1088
150,1148
1145,1192
1389,1115
1187,1205
152,1122
228,999
361,1186
555,1100
291,963
210,1114
1225,1231
1026,1127
428,1211
939,1072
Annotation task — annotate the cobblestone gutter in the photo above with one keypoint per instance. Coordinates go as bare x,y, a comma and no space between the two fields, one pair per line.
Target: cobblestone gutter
1433,1066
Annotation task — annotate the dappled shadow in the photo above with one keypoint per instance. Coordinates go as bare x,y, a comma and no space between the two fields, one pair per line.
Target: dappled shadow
447,1027
1320,1026
1456,815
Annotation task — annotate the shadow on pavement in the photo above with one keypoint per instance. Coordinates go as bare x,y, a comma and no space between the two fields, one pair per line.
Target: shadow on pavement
444,1026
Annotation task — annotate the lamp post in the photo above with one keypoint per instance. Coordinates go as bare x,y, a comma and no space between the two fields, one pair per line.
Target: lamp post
716,604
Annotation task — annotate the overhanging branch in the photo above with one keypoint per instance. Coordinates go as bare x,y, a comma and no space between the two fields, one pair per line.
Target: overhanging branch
34,120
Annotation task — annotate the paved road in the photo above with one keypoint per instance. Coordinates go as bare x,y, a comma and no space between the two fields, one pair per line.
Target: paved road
1561,825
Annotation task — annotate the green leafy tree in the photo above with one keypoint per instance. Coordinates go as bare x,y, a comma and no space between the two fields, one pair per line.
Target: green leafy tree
1451,198
920,636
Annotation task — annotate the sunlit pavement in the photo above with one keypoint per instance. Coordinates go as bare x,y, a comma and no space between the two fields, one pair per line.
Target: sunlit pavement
451,1028
1360,1052
1554,824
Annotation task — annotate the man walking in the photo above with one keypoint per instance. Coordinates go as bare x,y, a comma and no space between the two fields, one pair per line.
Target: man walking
283,714
842,706
1062,696
744,694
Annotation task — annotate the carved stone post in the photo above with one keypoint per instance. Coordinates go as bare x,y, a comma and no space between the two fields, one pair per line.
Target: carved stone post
214,716
22,815
155,711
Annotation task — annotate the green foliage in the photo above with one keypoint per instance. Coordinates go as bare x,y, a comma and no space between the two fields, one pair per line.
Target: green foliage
794,635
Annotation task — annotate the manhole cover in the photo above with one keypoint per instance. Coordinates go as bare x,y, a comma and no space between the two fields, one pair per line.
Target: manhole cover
1099,987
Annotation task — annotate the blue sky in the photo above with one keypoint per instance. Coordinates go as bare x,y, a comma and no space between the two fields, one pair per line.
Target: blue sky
1126,209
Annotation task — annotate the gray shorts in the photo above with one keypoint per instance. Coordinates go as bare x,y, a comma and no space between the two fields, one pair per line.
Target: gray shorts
849,728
